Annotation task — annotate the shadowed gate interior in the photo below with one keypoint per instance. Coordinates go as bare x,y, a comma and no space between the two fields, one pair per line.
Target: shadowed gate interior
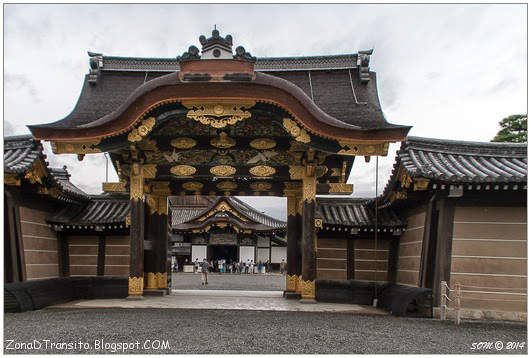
224,252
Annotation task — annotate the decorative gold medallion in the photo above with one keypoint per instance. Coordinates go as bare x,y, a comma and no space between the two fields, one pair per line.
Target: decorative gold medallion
227,186
223,141
262,171
260,186
183,143
219,113
192,186
299,134
183,170
263,143
223,170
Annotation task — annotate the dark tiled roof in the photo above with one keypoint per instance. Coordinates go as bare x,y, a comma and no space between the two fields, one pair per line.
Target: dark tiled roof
101,209
60,178
185,208
358,213
183,215
20,152
463,162
331,83
256,215
113,63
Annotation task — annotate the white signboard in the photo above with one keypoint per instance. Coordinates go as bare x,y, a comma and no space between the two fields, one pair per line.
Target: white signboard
277,254
246,252
199,252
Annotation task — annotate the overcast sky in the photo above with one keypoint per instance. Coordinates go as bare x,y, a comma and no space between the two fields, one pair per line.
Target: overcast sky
450,71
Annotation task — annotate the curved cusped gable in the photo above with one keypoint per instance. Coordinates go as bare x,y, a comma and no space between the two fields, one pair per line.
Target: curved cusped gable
264,88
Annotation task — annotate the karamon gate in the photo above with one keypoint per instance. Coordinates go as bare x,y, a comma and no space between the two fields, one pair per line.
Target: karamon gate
223,123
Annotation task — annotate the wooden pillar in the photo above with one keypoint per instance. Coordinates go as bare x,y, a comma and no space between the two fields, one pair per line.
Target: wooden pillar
445,225
136,265
158,273
392,263
101,255
308,245
293,271
64,255
150,237
350,258
13,233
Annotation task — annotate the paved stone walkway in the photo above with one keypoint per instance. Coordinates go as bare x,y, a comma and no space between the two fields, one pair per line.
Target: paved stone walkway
227,281
223,300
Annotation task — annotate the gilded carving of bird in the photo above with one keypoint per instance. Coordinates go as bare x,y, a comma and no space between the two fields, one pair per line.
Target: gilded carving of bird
174,157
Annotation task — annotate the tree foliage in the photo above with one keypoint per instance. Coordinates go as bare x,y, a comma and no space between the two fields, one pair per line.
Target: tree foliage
514,129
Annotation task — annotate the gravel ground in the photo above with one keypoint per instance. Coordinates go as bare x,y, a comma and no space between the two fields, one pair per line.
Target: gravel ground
253,332
227,281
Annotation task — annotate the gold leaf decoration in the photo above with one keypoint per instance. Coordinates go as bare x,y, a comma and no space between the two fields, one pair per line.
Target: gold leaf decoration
260,186
219,113
263,143
227,186
262,171
151,283
11,179
298,133
192,186
223,170
119,187
76,147
183,170
351,148
308,289
142,130
162,279
223,141
136,285
183,143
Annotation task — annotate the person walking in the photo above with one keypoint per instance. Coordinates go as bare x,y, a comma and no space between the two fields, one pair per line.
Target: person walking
251,267
247,266
204,272
260,266
282,267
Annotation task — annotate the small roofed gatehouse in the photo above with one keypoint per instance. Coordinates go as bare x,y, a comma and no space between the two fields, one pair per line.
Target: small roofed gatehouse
224,228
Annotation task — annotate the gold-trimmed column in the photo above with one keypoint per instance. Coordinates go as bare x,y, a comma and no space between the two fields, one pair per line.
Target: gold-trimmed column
293,250
136,232
157,234
308,274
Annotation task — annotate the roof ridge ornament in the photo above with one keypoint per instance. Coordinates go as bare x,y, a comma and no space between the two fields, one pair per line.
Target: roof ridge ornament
96,63
363,64
216,47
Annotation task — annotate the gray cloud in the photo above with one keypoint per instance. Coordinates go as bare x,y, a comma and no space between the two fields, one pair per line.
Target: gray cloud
439,66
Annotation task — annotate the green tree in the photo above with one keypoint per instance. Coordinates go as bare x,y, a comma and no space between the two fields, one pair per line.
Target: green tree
514,129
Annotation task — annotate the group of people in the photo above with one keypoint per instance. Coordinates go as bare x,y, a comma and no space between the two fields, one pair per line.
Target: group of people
222,266
247,267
